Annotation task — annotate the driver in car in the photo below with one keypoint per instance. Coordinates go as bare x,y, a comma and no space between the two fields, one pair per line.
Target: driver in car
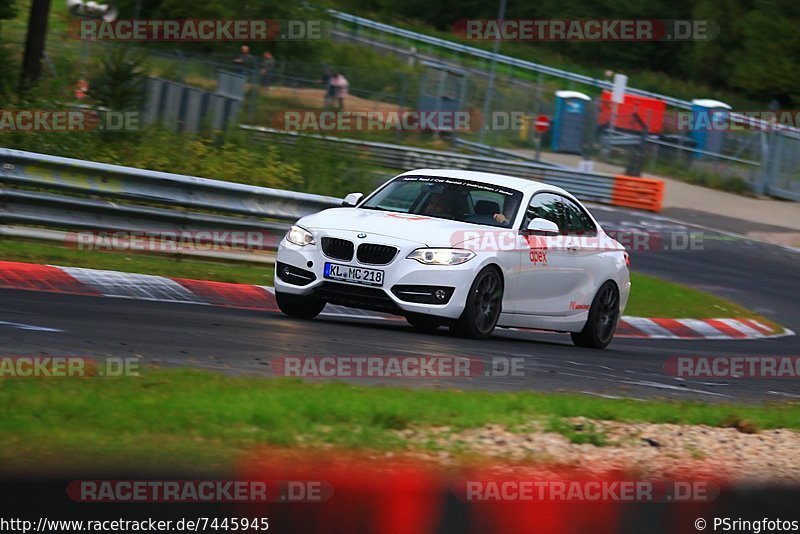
439,205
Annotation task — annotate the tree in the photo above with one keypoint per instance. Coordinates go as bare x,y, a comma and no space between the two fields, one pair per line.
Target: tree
120,86
8,9
35,41
769,65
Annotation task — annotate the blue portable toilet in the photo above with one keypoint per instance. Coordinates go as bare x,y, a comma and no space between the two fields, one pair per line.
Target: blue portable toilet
707,113
569,122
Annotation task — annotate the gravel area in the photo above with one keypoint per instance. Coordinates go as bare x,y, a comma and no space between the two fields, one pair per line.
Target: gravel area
737,455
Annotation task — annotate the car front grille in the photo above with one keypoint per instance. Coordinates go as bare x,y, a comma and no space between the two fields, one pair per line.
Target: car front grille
338,249
372,254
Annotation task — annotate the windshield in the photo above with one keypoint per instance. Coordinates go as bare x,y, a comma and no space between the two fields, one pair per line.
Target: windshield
448,198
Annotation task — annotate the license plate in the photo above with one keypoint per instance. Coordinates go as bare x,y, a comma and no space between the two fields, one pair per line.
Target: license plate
357,275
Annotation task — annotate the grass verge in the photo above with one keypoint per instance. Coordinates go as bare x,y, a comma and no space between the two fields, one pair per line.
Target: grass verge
164,265
188,418
654,297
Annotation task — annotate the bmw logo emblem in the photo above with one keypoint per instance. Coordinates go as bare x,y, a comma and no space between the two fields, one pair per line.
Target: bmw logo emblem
362,235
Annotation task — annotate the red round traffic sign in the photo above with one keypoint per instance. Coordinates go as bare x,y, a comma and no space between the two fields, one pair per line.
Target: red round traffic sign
542,123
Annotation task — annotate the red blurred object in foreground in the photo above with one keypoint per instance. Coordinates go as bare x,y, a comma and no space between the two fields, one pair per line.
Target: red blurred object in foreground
399,495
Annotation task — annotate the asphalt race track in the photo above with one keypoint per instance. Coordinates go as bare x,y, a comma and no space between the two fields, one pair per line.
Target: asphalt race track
760,276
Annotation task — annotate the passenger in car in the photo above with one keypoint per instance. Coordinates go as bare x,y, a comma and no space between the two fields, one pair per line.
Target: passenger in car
507,215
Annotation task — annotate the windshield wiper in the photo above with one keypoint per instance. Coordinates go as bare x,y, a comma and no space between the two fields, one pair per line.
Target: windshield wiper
376,208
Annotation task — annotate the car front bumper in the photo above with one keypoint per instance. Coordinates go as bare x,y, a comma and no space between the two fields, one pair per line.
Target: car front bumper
300,271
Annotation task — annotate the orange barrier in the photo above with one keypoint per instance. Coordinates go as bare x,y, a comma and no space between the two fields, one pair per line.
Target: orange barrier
641,193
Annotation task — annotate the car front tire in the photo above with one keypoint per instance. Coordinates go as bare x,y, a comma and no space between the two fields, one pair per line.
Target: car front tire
298,306
602,321
484,304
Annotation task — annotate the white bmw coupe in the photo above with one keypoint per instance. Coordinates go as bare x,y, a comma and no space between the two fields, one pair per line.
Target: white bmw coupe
468,250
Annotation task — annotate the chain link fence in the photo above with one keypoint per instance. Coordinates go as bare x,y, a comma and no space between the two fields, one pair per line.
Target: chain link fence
751,160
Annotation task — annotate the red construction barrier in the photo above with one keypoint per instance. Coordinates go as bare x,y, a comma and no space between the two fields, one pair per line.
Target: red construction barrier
649,110
368,496
394,495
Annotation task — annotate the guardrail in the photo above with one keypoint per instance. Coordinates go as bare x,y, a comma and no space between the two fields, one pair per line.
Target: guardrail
596,187
57,192
487,150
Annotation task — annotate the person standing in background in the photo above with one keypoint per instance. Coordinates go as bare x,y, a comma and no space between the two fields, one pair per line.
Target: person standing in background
327,82
342,87
267,64
245,61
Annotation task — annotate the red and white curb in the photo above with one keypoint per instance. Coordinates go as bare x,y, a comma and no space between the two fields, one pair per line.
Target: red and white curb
99,283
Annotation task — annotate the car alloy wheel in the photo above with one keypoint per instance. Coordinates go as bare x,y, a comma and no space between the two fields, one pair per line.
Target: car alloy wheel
602,320
484,304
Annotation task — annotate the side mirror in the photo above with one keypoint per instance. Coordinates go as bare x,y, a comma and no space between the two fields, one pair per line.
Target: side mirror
352,199
543,226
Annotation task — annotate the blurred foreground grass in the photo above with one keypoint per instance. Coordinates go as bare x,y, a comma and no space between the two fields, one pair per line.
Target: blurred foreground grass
192,419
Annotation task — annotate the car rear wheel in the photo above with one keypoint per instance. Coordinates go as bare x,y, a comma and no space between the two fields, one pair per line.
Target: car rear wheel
299,306
424,323
483,307
602,321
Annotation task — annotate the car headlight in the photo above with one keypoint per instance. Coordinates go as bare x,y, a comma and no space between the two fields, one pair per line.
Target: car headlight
299,236
441,256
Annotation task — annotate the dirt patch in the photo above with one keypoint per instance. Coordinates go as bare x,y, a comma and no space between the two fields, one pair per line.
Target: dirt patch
658,450
314,98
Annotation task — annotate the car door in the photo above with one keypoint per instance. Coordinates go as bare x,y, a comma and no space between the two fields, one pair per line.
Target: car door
499,238
546,278
582,255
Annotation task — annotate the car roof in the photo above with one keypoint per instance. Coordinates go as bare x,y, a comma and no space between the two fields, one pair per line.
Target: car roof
522,184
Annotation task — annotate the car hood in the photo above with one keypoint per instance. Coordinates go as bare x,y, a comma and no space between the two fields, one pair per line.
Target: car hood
427,231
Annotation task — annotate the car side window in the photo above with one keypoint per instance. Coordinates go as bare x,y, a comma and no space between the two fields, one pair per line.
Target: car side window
544,206
486,197
577,221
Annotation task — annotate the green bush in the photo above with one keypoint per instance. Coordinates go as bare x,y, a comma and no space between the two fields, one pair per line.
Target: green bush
229,161
160,150
327,172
